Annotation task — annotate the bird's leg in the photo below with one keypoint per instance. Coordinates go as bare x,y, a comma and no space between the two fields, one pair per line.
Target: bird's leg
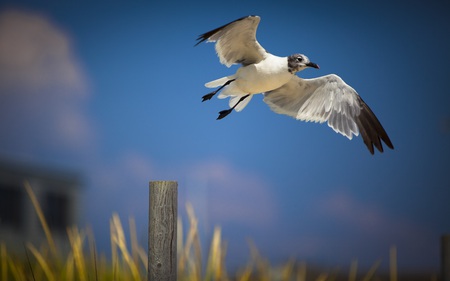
225,112
210,95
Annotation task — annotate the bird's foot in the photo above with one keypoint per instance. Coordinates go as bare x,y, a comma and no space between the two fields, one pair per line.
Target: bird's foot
208,96
224,113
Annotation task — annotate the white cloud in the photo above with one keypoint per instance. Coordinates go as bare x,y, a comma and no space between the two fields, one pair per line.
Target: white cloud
42,87
219,193
341,227
36,55
123,182
346,209
226,194
371,220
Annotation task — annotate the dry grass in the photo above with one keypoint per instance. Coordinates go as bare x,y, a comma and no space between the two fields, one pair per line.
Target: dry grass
129,262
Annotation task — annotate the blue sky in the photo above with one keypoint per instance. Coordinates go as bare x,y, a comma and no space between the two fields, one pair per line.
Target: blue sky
113,91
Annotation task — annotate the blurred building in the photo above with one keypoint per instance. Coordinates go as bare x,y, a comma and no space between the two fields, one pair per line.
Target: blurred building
57,193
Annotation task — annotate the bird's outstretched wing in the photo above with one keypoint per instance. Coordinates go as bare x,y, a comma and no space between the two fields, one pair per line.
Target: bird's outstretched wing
329,98
236,41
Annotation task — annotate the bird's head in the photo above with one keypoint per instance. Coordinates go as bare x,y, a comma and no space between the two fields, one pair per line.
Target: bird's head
298,62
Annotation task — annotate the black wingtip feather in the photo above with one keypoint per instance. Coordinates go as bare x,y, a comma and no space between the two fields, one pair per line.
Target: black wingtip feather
203,37
371,129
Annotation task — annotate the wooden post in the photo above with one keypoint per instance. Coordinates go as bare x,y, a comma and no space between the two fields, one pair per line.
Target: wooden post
445,257
162,231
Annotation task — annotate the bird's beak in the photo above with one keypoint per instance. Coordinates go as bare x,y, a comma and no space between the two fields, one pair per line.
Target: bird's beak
311,64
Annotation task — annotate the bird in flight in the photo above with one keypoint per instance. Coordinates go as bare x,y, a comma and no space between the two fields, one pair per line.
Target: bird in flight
322,99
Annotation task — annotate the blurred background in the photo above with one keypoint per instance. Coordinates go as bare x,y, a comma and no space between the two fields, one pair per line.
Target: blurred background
98,98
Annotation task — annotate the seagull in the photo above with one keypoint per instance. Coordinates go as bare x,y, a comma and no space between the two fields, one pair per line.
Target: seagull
322,99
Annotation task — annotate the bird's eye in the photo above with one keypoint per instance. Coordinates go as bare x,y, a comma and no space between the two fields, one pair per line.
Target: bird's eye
299,59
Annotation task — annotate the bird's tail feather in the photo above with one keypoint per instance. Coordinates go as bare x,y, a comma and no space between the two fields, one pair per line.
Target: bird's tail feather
235,99
219,82
230,91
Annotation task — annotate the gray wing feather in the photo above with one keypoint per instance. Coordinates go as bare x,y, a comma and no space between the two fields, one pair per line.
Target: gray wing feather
329,99
236,41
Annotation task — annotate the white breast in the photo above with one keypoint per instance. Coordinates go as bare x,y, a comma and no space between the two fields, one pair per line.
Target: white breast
269,74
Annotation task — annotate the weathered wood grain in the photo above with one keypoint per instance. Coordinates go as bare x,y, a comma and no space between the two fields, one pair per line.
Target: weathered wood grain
162,229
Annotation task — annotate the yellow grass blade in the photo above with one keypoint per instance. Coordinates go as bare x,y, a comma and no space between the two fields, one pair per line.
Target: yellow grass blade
262,266
138,253
92,251
69,270
4,266
301,272
353,271
40,213
193,261
76,240
322,277
213,269
133,240
42,262
393,263
286,271
121,243
16,270
114,256
143,257
224,275
371,271
245,274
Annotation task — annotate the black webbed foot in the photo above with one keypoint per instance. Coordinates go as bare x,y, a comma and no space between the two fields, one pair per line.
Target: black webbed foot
208,96
224,113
